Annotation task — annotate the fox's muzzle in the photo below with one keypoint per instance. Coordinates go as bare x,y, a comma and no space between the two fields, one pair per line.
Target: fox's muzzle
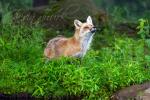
93,29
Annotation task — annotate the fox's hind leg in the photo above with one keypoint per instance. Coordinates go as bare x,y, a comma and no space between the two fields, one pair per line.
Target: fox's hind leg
48,53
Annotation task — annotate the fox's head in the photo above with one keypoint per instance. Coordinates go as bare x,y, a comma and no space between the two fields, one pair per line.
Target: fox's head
85,29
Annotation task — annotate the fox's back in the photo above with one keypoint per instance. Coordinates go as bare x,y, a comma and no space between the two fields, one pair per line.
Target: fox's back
52,46
61,46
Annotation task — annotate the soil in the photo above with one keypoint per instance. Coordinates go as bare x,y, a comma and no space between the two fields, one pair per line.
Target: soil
26,96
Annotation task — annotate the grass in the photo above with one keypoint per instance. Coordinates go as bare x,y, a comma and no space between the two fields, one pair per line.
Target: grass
97,76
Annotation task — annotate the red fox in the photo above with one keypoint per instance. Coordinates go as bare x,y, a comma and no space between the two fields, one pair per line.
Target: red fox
76,45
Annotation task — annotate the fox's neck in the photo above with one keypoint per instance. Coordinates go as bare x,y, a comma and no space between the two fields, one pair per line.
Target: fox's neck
84,42
76,35
83,39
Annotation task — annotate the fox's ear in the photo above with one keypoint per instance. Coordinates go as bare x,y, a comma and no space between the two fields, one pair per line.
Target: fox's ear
77,24
89,20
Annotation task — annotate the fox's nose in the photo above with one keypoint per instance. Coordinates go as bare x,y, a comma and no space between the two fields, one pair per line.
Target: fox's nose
93,30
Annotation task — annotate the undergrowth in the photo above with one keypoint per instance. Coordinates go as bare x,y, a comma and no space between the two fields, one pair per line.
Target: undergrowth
98,75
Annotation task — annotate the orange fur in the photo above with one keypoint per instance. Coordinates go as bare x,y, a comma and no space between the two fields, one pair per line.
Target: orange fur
61,46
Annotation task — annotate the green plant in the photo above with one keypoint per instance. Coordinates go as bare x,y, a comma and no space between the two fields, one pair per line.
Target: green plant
6,14
144,28
97,76
144,31
17,4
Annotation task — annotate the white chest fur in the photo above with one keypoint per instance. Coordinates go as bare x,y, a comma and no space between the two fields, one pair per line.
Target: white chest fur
85,45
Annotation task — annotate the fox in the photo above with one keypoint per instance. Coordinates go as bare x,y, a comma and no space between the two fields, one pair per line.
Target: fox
75,46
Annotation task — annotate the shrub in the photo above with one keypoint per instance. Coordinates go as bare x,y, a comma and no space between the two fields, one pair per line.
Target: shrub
99,74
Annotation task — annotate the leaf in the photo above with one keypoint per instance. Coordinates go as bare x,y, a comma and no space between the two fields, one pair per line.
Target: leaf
2,43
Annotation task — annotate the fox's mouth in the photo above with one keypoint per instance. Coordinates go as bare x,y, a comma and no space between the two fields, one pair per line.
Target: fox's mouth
93,30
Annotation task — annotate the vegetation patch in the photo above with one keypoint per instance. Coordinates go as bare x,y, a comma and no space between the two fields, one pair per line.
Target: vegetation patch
23,69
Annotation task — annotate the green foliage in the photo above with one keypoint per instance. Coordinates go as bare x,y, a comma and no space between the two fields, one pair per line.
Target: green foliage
6,14
144,32
100,73
119,14
20,42
119,61
8,6
125,10
17,4
144,28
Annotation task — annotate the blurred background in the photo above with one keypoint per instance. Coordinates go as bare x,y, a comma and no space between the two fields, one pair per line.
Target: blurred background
56,12
57,16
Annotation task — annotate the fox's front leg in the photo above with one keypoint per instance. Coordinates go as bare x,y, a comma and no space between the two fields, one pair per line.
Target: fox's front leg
78,55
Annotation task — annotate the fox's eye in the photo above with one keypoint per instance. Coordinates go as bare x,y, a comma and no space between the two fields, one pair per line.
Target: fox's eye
86,27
